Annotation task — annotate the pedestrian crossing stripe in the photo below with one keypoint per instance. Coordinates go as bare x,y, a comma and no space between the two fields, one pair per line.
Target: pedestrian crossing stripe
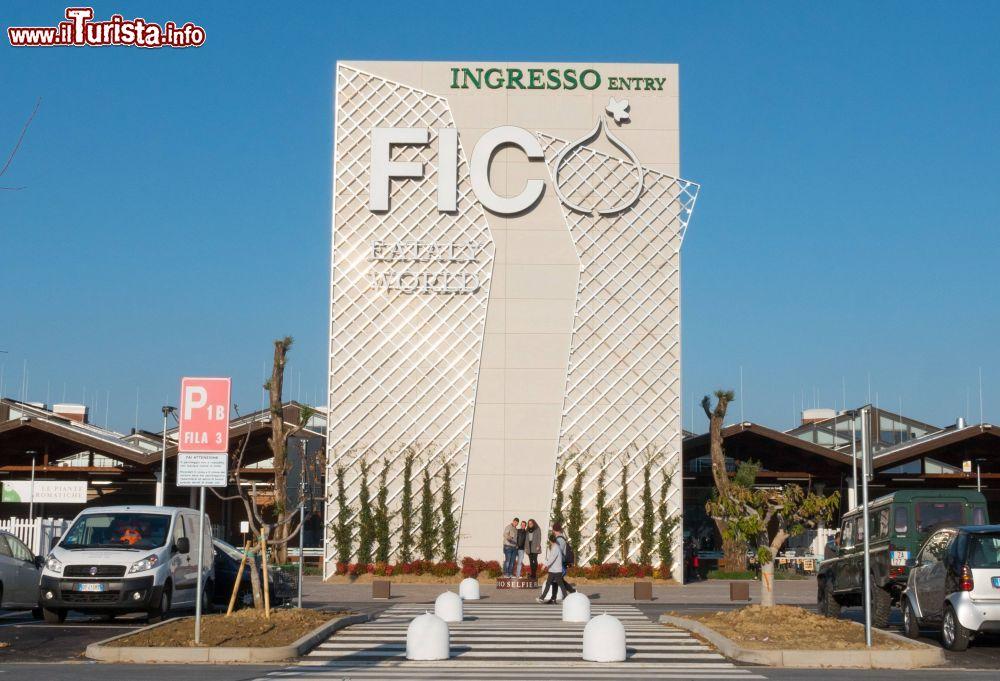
511,641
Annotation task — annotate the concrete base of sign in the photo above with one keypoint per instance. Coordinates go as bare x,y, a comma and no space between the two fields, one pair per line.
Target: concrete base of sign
576,608
469,589
215,654
604,640
448,606
427,638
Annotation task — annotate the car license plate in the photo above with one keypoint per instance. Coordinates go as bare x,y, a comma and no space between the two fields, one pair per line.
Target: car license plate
996,582
90,587
899,558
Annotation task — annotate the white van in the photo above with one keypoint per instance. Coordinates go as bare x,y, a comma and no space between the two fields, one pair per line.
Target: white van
121,559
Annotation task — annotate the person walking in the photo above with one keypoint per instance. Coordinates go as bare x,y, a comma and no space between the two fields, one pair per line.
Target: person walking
557,530
522,537
554,564
509,547
533,545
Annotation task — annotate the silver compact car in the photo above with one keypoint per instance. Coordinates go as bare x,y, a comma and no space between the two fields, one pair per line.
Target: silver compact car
20,572
955,584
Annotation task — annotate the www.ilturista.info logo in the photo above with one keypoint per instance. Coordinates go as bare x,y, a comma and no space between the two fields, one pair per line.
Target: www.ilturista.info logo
81,31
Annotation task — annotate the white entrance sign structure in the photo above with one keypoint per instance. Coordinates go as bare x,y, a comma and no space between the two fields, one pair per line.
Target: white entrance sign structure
203,453
44,491
505,285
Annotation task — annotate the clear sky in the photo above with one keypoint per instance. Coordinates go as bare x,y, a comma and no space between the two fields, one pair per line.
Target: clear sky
176,210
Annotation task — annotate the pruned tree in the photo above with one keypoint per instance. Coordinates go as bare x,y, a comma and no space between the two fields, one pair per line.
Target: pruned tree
283,525
734,550
449,527
766,518
278,442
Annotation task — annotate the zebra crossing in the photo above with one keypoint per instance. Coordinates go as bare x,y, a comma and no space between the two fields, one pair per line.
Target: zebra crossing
512,641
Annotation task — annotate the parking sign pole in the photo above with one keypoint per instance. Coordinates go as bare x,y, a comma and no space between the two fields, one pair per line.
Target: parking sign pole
866,583
201,565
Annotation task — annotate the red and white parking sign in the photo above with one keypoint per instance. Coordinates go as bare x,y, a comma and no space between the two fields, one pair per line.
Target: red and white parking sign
204,422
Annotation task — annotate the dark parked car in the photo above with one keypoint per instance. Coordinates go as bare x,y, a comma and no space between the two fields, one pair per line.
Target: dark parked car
955,583
227,564
899,524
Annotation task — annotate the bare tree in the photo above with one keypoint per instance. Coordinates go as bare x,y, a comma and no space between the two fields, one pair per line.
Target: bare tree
733,548
284,526
17,146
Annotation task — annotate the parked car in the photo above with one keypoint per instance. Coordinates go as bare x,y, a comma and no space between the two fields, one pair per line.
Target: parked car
20,571
899,524
955,583
121,559
281,588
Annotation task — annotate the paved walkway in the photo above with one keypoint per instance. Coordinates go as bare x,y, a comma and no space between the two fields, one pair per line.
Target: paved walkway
706,593
512,641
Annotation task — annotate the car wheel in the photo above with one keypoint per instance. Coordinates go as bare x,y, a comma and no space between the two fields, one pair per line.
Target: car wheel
53,616
881,606
159,613
828,604
954,636
911,625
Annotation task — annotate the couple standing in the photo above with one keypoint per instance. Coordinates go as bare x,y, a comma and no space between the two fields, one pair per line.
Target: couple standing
520,538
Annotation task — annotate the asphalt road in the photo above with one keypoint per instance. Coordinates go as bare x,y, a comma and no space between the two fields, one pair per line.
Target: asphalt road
36,650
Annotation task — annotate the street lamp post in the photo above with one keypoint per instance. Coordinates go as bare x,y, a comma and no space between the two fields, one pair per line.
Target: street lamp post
865,461
161,492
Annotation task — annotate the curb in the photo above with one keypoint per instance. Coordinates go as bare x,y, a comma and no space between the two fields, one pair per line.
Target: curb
103,652
925,656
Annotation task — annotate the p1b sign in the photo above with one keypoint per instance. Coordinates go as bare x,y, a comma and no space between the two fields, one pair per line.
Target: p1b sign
204,422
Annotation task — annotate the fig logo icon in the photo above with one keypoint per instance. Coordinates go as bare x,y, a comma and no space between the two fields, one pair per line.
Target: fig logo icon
564,174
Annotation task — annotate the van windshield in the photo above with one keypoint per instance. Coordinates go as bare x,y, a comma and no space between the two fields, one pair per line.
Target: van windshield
984,551
933,513
117,531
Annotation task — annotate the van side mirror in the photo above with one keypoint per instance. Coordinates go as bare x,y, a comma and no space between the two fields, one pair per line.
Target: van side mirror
56,539
39,561
183,545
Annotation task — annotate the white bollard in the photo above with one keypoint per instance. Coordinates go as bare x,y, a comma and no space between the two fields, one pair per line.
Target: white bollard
448,606
604,640
427,638
576,608
469,589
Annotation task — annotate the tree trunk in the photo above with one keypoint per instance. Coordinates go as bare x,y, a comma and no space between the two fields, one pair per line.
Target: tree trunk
258,597
767,584
734,551
278,444
735,554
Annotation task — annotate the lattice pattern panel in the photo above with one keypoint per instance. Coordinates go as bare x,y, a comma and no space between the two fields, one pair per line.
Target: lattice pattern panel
403,366
623,384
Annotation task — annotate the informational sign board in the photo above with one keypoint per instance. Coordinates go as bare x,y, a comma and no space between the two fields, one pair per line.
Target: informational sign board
202,470
203,436
45,491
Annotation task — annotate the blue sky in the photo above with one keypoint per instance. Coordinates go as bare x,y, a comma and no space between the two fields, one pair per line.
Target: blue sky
176,211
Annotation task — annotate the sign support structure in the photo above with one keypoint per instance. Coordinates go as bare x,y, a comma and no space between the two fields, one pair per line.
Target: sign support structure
866,446
203,444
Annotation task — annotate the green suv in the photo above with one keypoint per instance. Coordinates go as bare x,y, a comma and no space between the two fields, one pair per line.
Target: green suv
899,524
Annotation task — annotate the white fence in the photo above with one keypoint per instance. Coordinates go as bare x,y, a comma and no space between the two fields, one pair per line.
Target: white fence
37,534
